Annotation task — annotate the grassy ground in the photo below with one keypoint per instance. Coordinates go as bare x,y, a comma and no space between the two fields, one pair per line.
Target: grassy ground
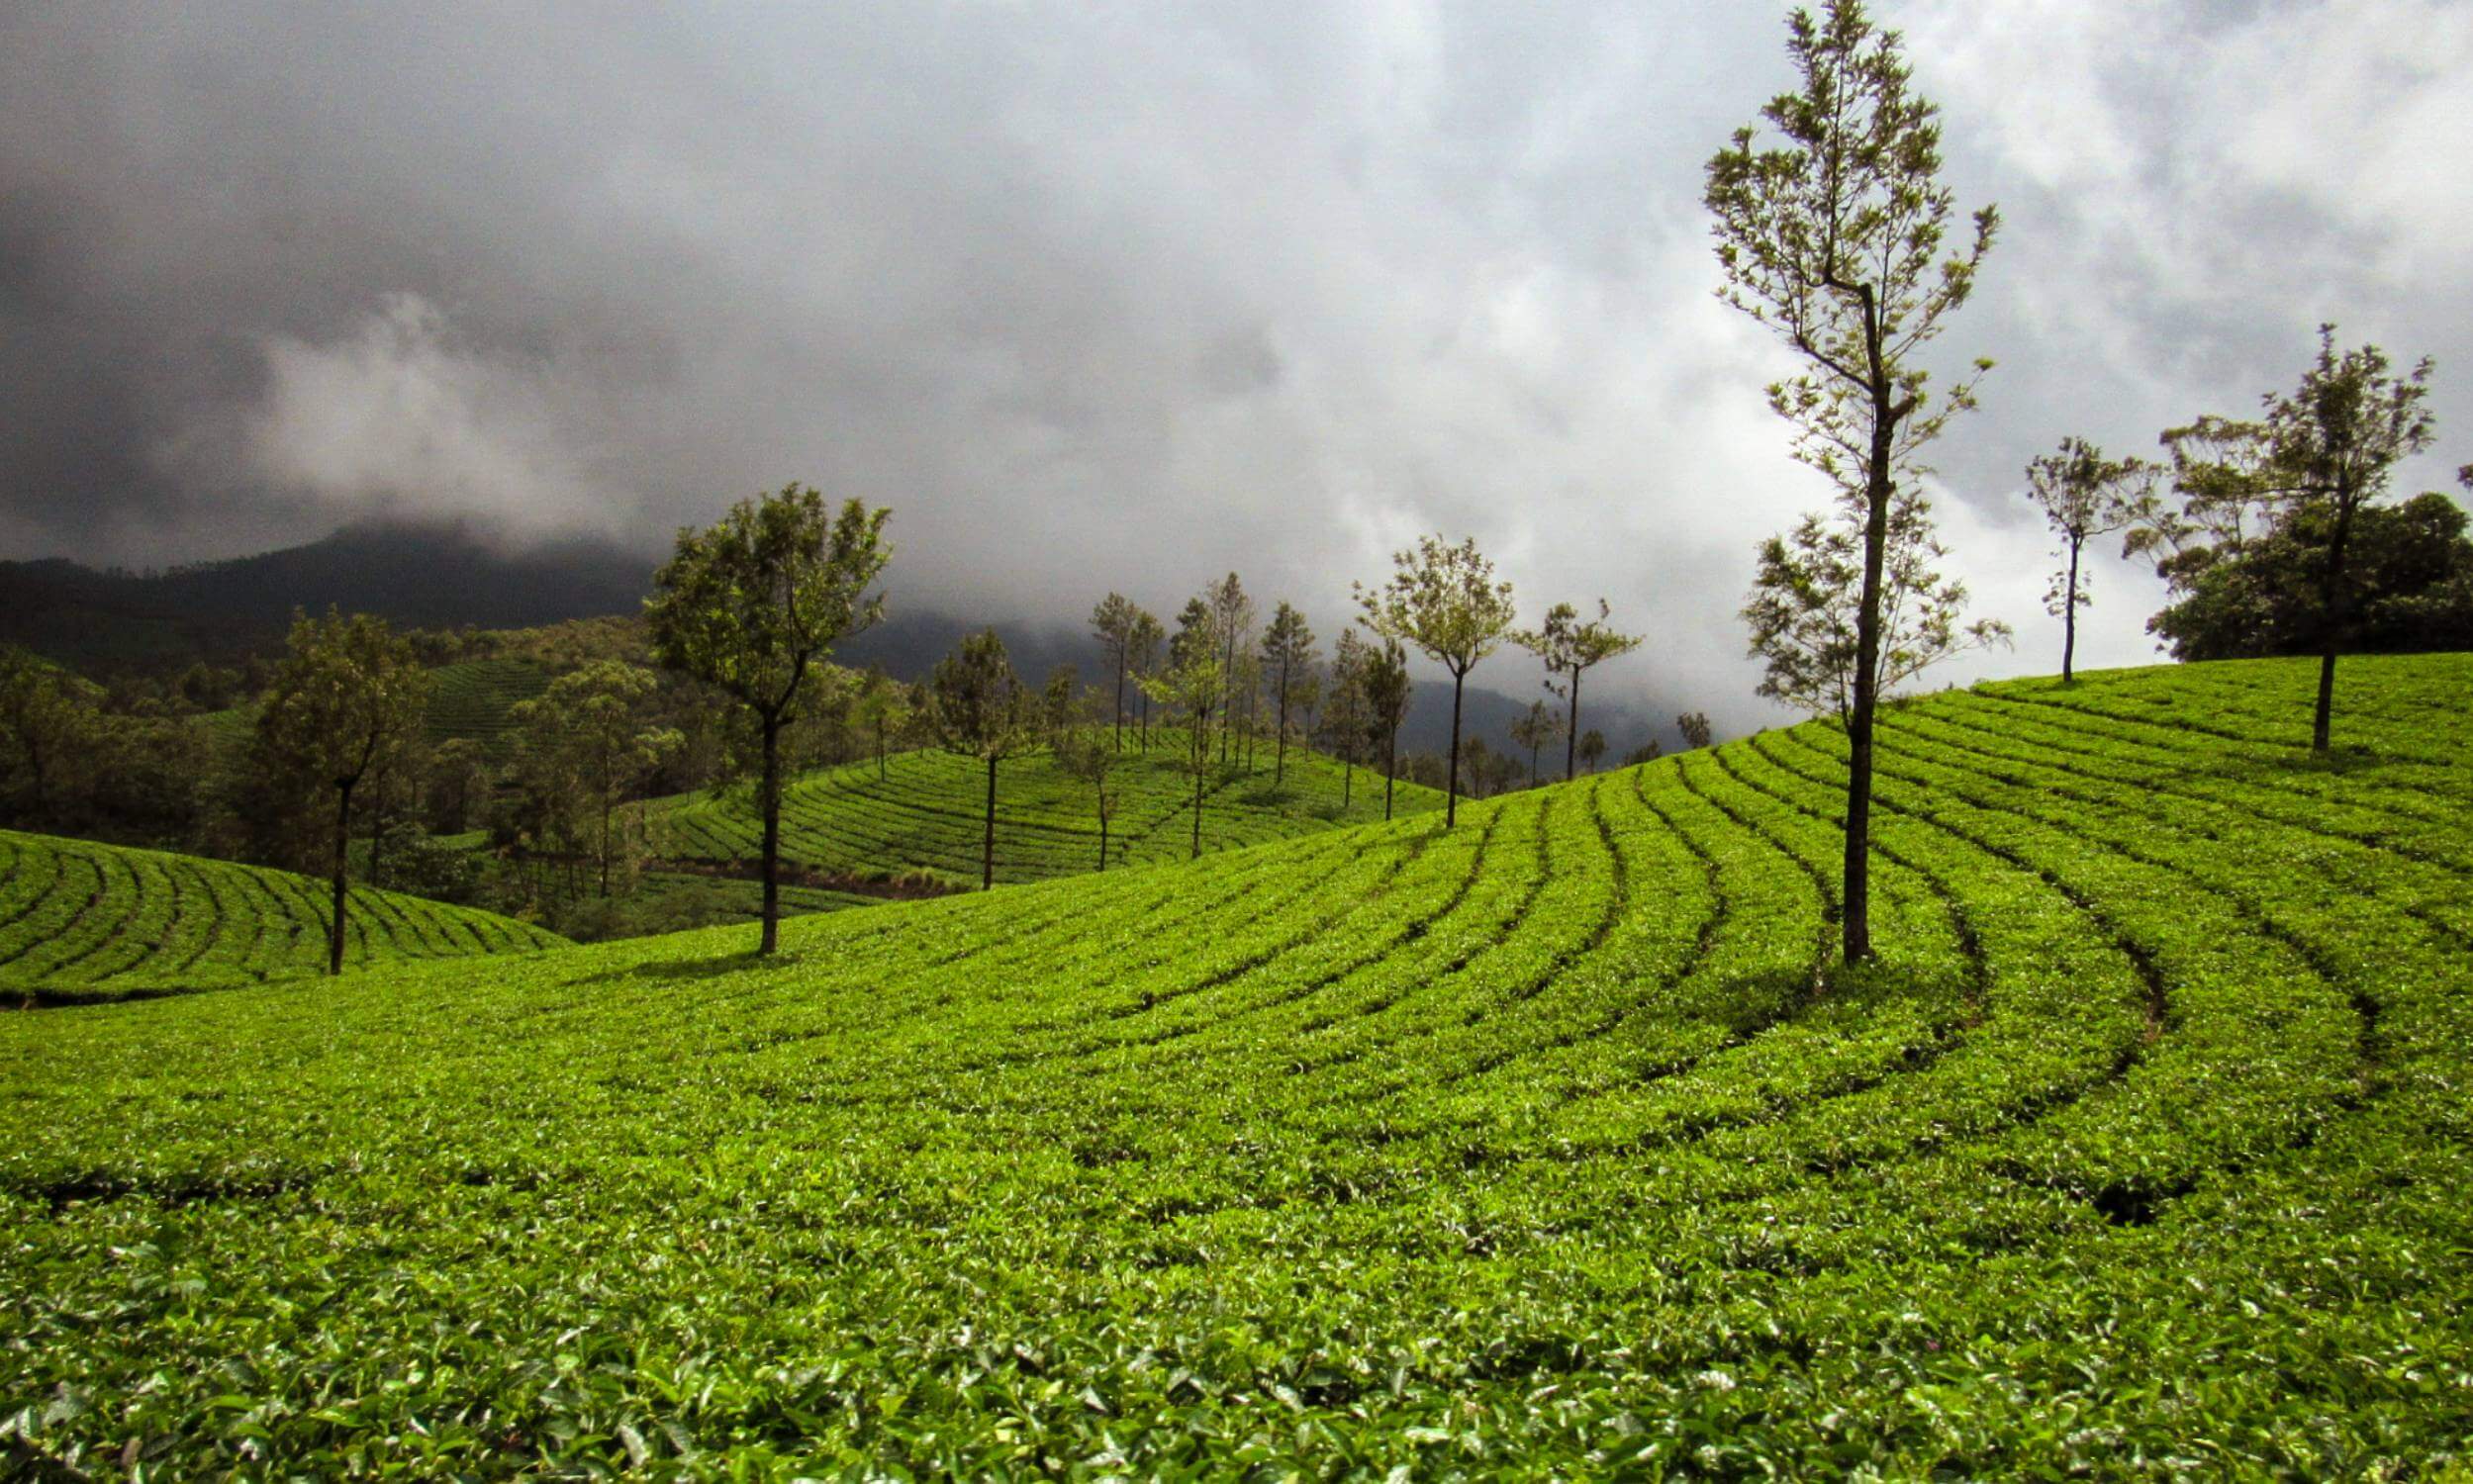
1551,1146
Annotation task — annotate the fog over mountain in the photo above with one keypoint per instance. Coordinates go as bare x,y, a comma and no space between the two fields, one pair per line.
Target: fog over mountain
1124,297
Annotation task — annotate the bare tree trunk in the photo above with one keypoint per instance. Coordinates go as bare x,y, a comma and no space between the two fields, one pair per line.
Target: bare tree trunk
1854,904
2331,605
771,785
1120,701
1451,801
342,865
1280,766
1199,762
2069,613
1390,770
1102,836
987,848
1571,731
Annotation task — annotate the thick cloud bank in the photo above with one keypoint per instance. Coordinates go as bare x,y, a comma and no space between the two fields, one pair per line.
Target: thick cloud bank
1124,296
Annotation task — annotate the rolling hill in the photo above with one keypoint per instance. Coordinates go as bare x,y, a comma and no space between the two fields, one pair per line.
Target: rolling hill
926,813
1554,1145
81,920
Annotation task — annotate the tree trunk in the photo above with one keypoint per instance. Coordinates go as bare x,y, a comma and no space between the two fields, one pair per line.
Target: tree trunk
879,752
770,784
1451,780
2069,613
987,845
1120,701
342,865
605,843
1280,766
1200,761
1571,731
1347,777
2332,605
1855,894
1533,750
1102,836
377,832
1390,770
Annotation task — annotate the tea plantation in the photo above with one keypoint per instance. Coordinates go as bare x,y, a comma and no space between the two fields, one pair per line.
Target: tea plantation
80,920
1548,1146
926,811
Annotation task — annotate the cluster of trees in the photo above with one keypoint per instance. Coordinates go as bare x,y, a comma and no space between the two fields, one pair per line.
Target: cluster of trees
2270,532
1842,238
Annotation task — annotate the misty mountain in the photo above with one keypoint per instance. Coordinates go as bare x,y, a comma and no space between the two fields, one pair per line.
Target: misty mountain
447,575
416,574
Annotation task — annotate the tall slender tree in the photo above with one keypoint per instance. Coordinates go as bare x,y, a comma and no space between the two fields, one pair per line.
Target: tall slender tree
1190,685
1837,241
1592,747
1232,619
1386,691
1114,623
1694,726
1288,656
982,709
589,742
1346,715
347,697
1143,643
1569,647
1444,599
2085,494
753,606
1533,729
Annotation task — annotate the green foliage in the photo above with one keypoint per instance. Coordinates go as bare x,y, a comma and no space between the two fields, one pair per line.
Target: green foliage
2411,588
1553,1145
1570,648
1805,605
81,920
2084,495
1444,599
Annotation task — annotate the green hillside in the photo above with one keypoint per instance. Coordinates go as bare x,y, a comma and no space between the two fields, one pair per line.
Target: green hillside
926,814
472,701
474,696
1549,1146
84,920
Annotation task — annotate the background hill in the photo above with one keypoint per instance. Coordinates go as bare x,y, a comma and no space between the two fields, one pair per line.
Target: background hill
1554,1142
81,920
451,575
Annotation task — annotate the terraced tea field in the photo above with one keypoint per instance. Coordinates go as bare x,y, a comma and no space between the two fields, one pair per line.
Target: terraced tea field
1552,1145
927,811
80,920
472,701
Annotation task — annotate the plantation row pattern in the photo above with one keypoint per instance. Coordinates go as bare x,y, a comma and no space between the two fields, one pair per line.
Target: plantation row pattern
1553,1143
927,813
81,919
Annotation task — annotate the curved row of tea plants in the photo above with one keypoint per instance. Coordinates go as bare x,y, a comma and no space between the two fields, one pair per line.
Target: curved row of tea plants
924,811
84,920
1554,1145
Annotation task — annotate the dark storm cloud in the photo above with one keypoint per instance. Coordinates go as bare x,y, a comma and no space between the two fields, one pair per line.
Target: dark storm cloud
1124,296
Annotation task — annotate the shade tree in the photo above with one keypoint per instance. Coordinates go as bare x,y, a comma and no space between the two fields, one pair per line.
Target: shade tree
1840,239
1287,661
981,709
1569,647
2084,495
1445,601
347,700
753,605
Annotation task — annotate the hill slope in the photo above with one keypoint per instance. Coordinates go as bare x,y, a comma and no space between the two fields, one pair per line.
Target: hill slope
1549,1145
926,814
84,920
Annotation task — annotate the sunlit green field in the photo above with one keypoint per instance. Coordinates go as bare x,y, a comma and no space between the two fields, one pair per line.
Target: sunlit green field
1548,1146
924,812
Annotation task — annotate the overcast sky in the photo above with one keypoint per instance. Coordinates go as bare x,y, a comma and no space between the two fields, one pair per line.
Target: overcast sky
1123,295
